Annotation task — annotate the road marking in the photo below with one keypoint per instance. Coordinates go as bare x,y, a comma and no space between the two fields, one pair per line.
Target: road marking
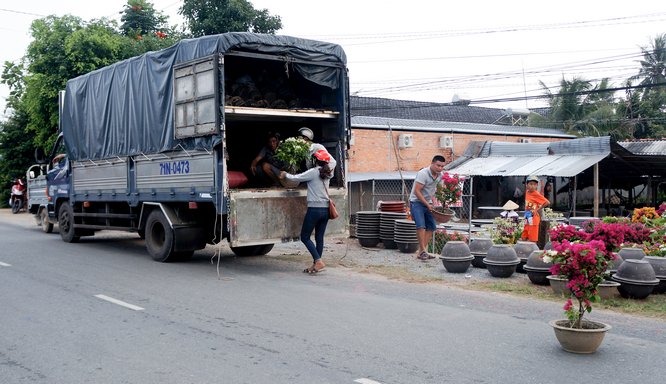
4,264
118,302
366,381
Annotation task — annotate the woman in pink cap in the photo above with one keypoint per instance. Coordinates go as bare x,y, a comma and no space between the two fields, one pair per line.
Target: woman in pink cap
316,217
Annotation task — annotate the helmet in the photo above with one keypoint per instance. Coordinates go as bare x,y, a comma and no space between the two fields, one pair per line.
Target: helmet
322,155
531,178
306,132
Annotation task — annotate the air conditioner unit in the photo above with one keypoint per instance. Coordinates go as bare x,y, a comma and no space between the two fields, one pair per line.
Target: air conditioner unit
446,141
524,140
405,141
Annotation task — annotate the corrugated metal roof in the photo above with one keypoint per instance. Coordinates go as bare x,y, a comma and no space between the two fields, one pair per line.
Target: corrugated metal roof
647,147
548,165
394,175
453,127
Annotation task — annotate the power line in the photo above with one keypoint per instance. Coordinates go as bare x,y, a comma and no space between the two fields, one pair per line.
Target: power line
21,12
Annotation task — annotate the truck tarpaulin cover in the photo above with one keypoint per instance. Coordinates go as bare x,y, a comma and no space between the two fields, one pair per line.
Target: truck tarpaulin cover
127,108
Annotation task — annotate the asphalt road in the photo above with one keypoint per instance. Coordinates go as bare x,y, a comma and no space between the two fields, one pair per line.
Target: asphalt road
262,321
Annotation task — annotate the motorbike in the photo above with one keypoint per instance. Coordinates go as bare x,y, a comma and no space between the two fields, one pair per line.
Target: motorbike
19,196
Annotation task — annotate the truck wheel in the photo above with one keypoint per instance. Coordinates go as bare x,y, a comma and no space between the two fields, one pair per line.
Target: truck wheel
264,249
159,237
252,250
66,224
47,227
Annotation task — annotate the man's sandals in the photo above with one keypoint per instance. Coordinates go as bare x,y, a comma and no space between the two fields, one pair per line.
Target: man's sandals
316,267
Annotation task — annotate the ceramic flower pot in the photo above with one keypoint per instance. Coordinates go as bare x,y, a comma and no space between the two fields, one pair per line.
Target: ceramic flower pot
636,278
442,215
584,340
559,285
632,253
659,265
613,265
608,289
479,247
523,250
457,264
501,260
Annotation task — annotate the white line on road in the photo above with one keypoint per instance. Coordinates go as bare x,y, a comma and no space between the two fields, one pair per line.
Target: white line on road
118,302
4,264
366,381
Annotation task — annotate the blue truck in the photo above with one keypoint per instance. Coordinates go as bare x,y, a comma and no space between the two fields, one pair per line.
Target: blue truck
160,144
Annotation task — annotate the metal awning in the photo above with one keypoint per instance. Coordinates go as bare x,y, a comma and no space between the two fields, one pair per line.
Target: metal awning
547,165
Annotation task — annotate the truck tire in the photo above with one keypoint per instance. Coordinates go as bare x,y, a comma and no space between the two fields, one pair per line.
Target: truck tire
159,237
47,226
252,250
66,224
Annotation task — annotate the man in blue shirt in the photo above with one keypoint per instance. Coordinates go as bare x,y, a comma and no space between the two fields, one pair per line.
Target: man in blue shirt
420,203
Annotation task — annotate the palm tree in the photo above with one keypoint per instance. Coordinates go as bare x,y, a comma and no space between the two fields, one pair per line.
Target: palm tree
653,65
578,105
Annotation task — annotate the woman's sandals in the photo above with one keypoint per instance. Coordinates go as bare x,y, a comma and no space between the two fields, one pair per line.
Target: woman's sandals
316,267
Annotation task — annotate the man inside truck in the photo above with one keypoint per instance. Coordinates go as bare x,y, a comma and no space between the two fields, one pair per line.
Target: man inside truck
307,135
266,166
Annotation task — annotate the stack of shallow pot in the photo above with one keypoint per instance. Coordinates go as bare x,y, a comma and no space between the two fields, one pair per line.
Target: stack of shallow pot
537,270
404,235
479,247
501,260
367,228
456,256
392,206
387,228
523,250
637,279
659,267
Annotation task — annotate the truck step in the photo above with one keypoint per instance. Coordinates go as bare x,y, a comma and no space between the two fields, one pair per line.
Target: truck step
130,216
101,227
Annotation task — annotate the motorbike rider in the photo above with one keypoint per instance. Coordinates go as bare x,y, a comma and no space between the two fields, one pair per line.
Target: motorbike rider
18,196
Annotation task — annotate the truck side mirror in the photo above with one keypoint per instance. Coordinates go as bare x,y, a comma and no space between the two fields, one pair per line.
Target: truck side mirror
40,157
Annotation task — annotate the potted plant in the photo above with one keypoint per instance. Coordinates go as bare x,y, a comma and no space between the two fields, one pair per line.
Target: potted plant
448,192
584,265
292,152
501,259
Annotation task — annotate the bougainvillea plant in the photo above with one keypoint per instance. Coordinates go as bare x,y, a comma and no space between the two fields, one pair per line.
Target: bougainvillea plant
661,209
566,232
584,265
448,191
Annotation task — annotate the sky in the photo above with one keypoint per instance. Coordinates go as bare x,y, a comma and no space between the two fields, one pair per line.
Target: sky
430,50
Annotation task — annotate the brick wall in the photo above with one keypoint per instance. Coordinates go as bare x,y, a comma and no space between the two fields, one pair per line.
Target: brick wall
377,150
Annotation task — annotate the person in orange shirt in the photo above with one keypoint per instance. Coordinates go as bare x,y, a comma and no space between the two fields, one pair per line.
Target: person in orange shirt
534,201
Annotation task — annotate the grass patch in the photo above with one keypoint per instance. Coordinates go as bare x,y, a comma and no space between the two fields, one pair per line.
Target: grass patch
397,273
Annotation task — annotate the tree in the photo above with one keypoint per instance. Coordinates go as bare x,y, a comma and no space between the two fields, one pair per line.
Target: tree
647,111
210,17
581,107
140,18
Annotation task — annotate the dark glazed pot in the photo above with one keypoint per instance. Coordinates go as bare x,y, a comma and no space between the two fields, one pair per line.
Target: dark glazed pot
479,247
457,264
407,247
537,270
456,249
501,260
632,253
613,265
636,278
523,250
659,265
